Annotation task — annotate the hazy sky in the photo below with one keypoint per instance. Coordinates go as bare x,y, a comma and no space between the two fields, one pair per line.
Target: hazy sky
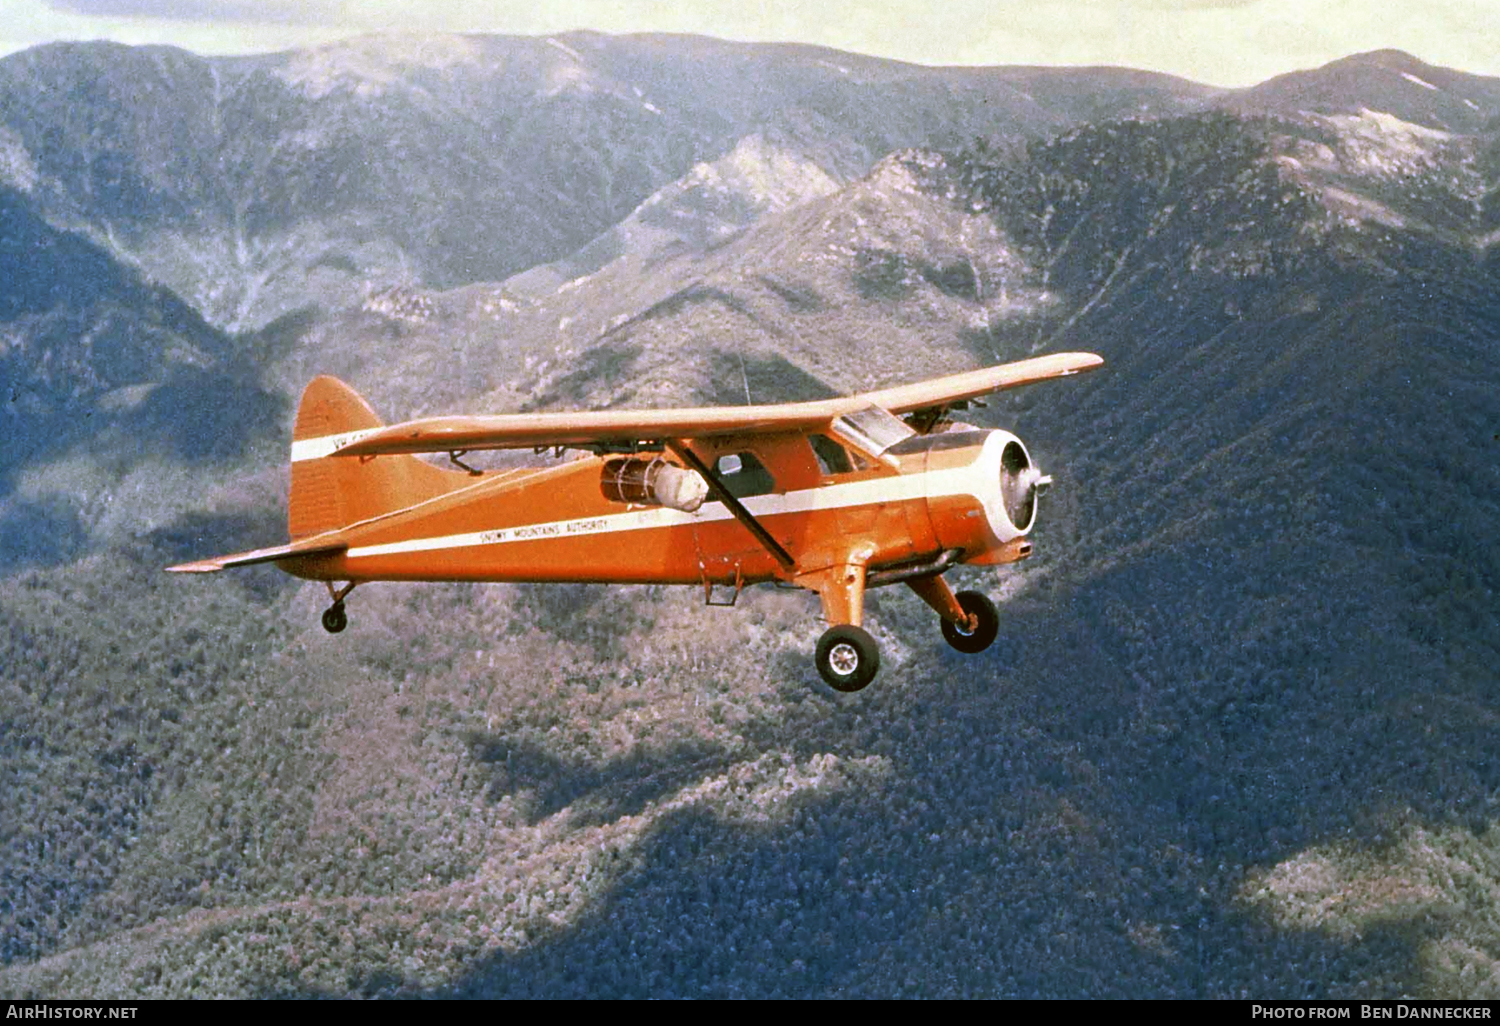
1223,42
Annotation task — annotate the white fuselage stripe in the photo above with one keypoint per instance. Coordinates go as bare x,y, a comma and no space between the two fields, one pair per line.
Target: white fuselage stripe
967,480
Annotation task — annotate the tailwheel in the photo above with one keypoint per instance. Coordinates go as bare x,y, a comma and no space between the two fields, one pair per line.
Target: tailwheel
983,619
335,619
847,657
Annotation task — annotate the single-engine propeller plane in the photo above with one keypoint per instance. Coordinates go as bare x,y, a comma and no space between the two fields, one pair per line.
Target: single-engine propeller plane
835,496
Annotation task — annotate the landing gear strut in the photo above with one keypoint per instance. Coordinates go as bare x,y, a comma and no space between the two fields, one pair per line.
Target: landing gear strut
334,617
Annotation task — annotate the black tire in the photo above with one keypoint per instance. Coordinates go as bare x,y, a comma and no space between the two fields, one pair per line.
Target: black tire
983,635
335,619
847,658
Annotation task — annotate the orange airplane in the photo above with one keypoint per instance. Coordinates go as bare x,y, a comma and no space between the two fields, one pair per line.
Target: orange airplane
835,496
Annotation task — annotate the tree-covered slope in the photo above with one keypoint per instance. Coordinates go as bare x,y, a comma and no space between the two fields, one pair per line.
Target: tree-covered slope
110,383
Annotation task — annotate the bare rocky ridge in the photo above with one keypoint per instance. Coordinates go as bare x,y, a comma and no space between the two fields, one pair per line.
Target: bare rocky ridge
253,186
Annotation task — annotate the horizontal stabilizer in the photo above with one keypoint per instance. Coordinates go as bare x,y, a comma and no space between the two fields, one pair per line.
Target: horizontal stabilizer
269,555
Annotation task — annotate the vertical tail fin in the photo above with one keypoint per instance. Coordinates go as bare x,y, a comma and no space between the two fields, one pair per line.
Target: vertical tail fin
332,492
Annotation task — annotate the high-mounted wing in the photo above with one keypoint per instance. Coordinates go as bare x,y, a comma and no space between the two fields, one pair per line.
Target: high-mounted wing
589,428
625,427
955,388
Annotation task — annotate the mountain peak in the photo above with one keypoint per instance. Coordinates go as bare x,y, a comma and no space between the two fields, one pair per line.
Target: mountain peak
370,64
1392,81
1396,60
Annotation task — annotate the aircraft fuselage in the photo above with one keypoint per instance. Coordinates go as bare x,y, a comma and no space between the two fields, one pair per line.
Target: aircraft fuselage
556,524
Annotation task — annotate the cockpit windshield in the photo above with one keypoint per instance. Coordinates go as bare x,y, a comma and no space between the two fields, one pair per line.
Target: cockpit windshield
872,429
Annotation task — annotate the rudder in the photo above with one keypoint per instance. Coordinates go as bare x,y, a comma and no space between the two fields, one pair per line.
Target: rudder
331,492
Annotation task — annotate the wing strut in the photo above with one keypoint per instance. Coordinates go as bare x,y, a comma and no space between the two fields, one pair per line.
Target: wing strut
718,491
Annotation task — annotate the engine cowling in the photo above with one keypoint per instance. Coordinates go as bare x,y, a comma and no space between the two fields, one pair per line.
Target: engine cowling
1007,483
982,490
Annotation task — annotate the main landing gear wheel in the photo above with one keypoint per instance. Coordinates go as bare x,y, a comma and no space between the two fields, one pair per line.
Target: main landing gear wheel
986,624
335,619
847,657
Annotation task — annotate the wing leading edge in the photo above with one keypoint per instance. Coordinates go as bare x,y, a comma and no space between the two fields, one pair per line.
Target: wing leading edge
528,430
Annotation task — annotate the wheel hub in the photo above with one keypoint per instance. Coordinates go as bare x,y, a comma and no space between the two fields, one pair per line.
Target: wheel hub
844,658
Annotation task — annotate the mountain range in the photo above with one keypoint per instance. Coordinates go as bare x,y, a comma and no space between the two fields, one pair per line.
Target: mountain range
1235,741
252,186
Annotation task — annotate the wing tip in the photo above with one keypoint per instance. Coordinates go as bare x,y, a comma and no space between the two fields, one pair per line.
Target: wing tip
1077,359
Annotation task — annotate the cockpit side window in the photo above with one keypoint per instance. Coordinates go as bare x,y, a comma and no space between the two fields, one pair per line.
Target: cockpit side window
833,458
744,475
872,429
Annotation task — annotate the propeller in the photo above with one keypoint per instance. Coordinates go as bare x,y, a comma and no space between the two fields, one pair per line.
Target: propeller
1020,484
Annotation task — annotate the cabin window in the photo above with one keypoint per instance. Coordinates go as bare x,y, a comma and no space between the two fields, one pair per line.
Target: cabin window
872,429
743,475
833,458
